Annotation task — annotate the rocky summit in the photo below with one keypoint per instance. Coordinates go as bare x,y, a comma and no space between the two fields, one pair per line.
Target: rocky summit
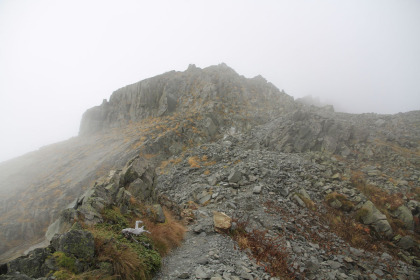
206,174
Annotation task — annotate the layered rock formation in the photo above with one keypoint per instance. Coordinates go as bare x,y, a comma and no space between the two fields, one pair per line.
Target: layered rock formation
211,91
212,141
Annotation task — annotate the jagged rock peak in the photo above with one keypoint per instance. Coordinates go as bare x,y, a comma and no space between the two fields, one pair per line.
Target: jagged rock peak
211,89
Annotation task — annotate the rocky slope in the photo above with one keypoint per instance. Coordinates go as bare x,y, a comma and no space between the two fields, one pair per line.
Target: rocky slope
337,194
36,187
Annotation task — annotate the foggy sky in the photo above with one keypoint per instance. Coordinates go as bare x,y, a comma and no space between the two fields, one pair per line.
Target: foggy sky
59,58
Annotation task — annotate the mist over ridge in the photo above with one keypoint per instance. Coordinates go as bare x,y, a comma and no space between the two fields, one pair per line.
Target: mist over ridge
360,56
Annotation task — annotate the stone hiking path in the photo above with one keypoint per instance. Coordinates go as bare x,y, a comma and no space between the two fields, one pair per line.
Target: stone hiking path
209,256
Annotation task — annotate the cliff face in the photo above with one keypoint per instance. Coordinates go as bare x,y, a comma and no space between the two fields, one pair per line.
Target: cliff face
216,141
208,90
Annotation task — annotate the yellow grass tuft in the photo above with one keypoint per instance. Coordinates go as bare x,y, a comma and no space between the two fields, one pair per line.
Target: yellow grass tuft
194,162
166,236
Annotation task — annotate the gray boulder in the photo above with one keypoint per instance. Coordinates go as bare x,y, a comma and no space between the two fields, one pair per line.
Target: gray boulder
140,189
33,264
159,214
235,176
138,177
62,224
406,242
371,216
404,214
79,243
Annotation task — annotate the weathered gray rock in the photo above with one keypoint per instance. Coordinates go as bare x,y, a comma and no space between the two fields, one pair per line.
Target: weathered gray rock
139,168
235,176
172,92
62,224
140,189
203,197
202,273
257,189
33,265
79,243
284,191
406,242
159,214
90,215
210,128
404,214
335,203
298,200
304,193
371,216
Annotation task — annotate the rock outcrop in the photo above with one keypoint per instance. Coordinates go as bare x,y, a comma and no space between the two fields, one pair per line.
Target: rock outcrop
213,90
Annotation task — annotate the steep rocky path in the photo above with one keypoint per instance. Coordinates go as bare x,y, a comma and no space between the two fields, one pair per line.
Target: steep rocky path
208,255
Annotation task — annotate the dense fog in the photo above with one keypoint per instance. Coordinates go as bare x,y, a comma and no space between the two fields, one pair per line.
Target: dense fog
59,58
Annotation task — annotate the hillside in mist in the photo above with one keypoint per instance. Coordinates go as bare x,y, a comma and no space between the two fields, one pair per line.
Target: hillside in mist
306,192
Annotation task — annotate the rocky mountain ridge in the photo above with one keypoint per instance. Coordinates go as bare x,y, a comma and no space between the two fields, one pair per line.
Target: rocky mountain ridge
219,142
207,90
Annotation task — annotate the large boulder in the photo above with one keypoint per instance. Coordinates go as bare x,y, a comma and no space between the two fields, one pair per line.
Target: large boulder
79,243
138,177
235,176
404,214
159,215
222,222
33,264
371,216
140,189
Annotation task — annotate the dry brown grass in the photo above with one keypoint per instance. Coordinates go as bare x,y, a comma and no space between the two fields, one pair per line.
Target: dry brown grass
194,162
343,225
148,156
308,202
382,199
209,163
170,162
347,205
356,234
166,236
125,261
164,164
269,252
406,152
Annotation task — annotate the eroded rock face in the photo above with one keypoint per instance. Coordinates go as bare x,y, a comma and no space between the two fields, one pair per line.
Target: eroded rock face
193,90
